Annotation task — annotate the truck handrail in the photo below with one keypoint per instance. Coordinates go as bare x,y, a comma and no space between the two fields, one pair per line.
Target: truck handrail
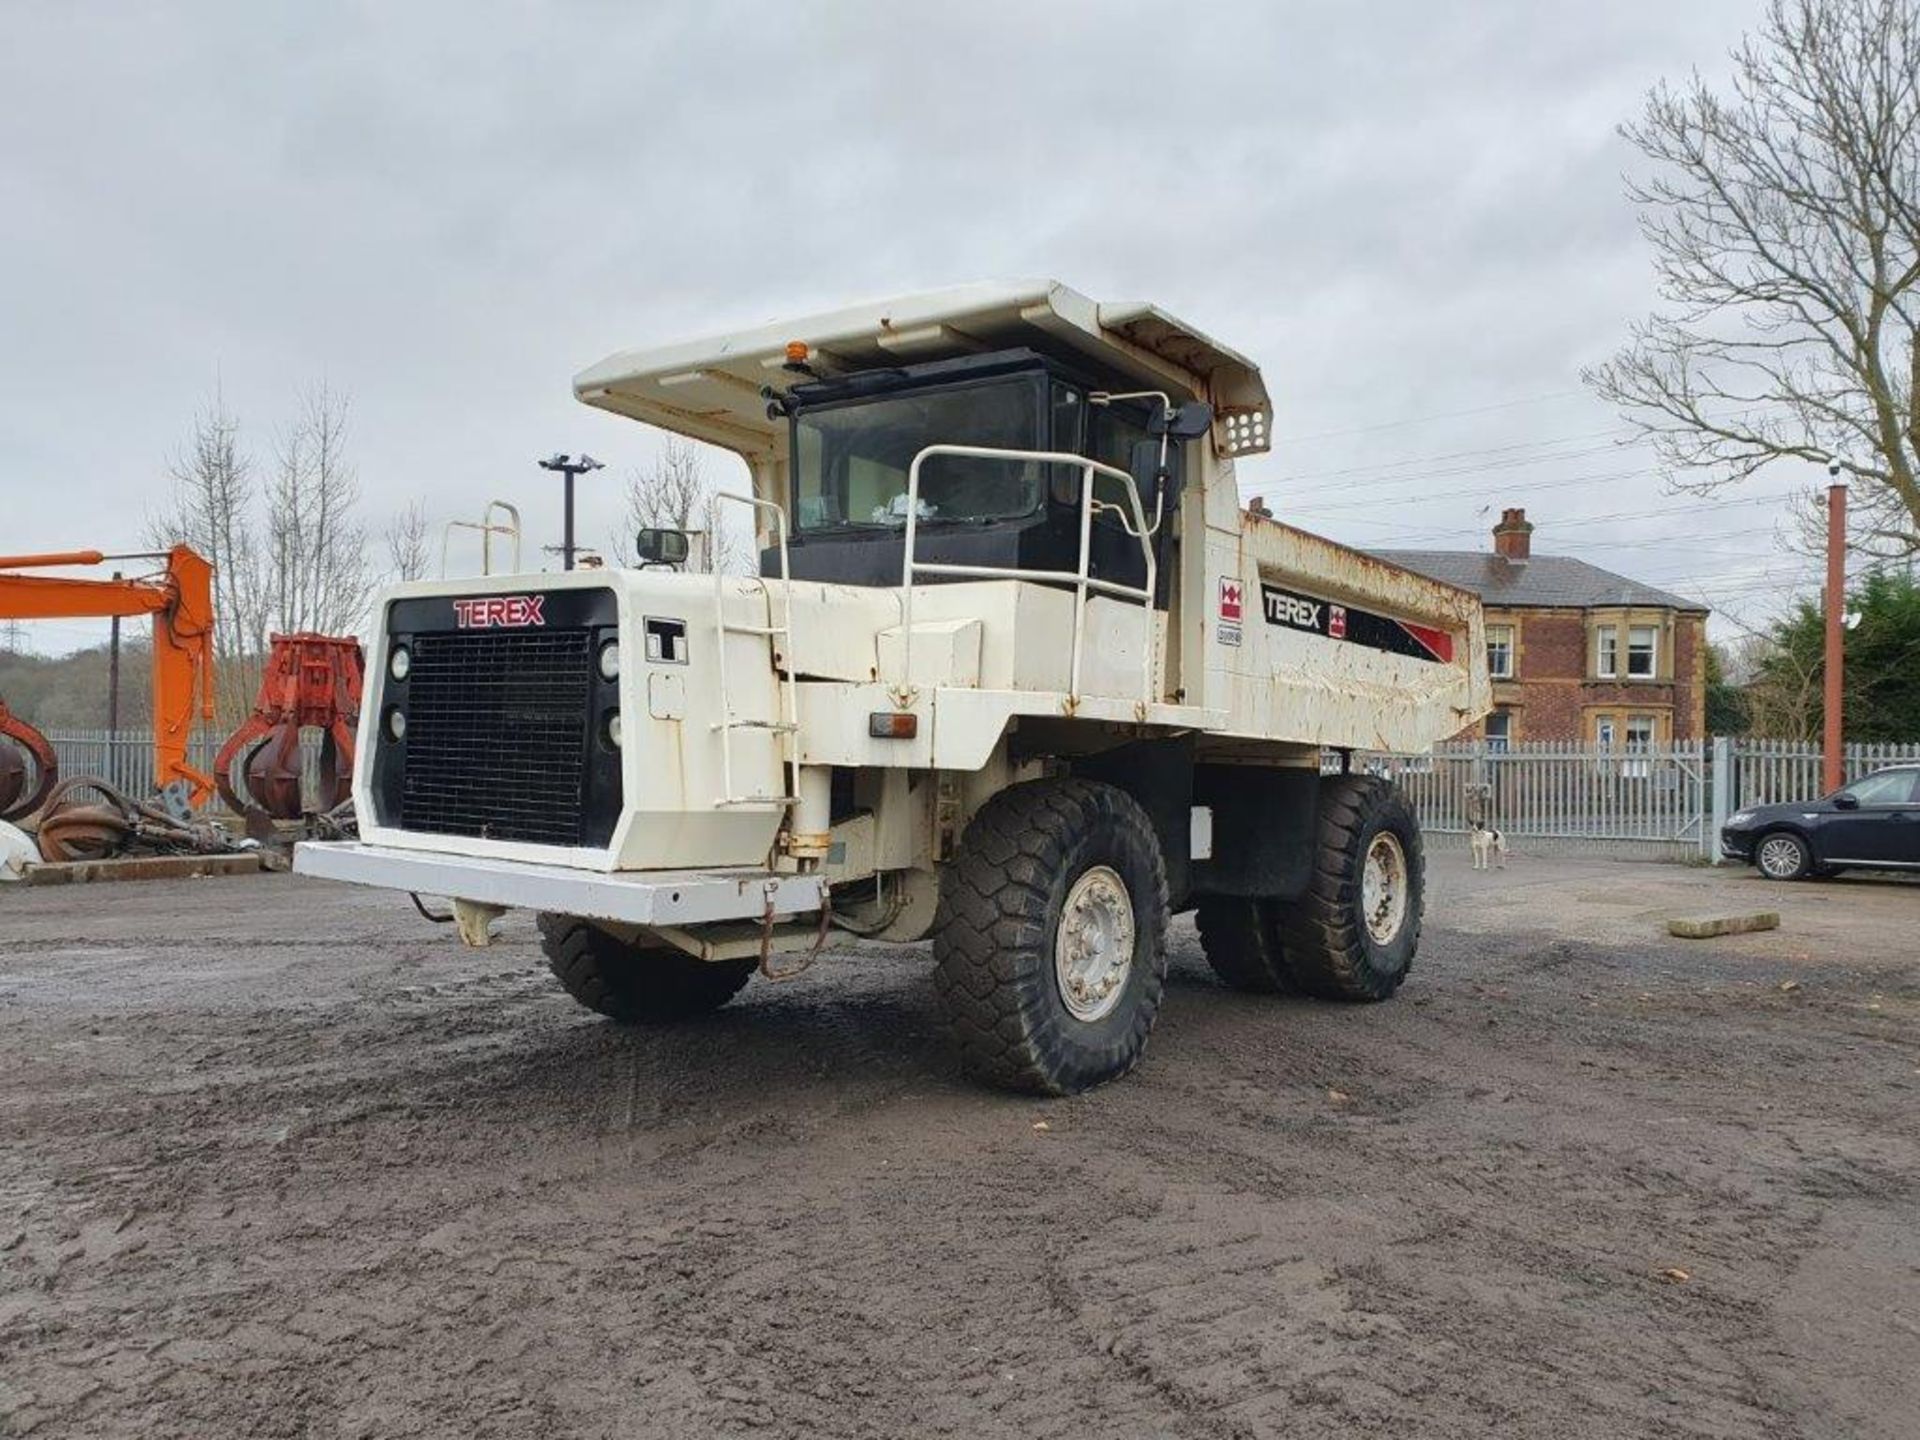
488,529
1083,582
787,727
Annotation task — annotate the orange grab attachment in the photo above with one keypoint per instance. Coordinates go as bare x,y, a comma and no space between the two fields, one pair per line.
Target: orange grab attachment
16,798
310,681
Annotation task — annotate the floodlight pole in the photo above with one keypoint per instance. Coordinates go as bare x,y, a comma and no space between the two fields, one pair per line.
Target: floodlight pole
572,469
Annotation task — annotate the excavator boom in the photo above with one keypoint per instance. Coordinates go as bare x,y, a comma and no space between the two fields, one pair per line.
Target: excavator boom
180,599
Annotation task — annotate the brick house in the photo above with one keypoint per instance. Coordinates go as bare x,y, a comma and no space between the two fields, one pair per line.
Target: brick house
1578,654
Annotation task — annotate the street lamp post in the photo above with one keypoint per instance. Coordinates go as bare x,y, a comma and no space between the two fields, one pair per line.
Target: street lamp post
572,468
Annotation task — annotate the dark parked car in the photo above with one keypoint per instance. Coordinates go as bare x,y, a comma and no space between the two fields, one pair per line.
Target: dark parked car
1872,824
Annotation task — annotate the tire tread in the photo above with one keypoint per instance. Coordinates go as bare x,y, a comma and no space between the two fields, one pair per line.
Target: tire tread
635,984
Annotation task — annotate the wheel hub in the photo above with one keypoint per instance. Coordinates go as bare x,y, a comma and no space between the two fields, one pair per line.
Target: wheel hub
1093,944
1383,887
1780,856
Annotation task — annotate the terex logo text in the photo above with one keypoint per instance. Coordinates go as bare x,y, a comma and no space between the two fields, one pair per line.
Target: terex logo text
493,610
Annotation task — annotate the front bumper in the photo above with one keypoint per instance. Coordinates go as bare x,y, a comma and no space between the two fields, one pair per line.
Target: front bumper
1737,845
656,898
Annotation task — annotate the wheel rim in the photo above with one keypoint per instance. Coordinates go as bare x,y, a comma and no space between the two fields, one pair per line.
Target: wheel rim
1780,856
1383,887
1093,944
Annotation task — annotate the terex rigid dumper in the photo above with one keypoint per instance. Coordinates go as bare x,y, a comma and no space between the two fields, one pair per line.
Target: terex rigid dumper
1014,671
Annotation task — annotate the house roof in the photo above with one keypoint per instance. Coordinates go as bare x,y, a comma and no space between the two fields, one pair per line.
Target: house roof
1544,580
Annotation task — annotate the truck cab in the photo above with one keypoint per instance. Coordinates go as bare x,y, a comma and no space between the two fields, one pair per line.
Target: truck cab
854,439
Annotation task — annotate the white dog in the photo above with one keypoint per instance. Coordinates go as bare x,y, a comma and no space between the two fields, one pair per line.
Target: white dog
1488,844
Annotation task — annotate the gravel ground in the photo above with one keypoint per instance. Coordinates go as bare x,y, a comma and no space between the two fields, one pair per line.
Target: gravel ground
277,1158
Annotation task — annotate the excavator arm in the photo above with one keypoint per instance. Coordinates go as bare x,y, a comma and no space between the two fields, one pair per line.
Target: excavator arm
180,599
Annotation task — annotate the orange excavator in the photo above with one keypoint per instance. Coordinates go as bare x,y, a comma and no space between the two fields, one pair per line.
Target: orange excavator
180,599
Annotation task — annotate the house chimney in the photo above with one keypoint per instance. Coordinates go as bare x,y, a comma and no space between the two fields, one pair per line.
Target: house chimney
1513,536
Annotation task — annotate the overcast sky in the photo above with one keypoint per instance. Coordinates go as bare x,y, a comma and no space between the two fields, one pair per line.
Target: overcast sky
1409,214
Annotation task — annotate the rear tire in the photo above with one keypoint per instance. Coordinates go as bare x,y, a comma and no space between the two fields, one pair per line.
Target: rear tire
636,984
1353,934
1241,940
1051,937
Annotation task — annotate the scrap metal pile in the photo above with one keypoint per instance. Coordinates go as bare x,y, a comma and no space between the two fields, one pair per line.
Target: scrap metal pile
85,818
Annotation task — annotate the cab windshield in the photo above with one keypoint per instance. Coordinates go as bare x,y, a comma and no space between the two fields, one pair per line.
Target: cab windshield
851,459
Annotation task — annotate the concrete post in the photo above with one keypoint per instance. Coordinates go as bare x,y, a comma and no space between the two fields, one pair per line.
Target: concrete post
1722,793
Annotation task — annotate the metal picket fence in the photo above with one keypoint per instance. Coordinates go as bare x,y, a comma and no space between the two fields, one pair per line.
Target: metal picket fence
1770,772
1661,802
124,758
1658,802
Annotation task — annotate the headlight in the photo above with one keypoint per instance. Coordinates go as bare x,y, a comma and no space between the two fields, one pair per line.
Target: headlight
399,663
610,660
397,723
613,729
1739,817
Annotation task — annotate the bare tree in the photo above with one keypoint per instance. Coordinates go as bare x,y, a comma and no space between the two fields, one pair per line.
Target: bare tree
287,554
406,539
673,494
1785,225
319,577
212,510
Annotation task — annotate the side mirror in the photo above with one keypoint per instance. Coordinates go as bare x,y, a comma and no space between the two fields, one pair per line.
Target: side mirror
1844,801
1189,422
657,546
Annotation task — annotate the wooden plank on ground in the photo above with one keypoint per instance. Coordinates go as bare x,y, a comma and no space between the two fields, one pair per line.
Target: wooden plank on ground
141,867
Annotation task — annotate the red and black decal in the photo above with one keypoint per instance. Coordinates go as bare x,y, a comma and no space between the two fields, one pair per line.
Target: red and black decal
486,612
1356,627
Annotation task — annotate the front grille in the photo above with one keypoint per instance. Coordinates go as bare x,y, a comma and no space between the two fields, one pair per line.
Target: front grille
498,728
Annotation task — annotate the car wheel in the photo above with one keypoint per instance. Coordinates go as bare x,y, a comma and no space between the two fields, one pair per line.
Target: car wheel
1782,855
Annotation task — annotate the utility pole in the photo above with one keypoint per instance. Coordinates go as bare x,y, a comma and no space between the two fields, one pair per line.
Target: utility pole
113,673
1834,772
571,468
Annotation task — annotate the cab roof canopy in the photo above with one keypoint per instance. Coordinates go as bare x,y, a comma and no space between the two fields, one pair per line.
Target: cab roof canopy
710,389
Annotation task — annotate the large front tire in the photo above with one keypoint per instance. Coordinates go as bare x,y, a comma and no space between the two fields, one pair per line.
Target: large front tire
635,984
1352,935
1051,937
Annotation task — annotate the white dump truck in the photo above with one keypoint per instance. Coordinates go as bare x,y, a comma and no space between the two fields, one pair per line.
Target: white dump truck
1015,671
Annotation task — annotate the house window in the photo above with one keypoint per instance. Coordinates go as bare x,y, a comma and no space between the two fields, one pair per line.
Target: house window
1500,651
1603,732
1639,742
1499,729
1643,651
1606,652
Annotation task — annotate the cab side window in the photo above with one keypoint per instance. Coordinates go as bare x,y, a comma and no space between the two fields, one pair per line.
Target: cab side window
1070,437
1118,436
